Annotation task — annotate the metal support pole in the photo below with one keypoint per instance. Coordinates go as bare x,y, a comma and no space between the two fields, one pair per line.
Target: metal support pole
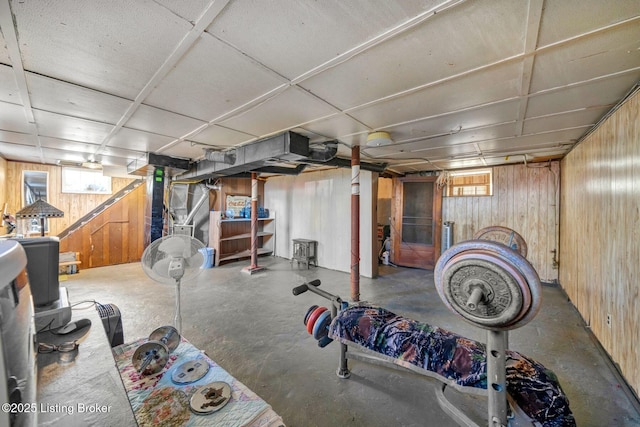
496,379
355,223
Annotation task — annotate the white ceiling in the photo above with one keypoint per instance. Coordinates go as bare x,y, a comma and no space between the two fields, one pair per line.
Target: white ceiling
456,83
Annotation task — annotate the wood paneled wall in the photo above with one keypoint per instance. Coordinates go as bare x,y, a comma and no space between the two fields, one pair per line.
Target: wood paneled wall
600,234
235,187
115,236
74,206
524,199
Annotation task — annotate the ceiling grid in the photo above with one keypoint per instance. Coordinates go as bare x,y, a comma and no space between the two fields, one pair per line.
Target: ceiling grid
455,83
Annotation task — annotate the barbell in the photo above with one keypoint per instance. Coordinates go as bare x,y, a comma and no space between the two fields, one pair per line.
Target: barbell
488,284
152,356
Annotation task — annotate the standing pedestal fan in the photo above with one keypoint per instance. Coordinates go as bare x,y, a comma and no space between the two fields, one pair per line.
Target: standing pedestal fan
172,259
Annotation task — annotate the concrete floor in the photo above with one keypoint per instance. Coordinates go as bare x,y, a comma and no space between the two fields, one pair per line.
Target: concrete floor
253,327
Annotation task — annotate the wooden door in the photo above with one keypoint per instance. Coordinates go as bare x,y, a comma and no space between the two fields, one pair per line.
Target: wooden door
416,219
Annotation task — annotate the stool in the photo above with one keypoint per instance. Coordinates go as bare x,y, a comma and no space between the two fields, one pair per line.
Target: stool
305,251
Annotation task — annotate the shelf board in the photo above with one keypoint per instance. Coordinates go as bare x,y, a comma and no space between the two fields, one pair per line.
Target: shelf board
243,254
244,219
245,236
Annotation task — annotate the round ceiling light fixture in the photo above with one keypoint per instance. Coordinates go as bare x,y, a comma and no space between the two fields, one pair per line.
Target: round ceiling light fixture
379,139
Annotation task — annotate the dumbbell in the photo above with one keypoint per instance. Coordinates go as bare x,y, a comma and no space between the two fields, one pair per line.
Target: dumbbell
152,356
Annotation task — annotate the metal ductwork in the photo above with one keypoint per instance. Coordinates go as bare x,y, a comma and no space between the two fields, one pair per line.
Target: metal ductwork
325,153
345,163
227,157
285,147
282,170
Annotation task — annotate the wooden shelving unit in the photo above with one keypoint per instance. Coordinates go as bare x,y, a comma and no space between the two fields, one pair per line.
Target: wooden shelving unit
231,238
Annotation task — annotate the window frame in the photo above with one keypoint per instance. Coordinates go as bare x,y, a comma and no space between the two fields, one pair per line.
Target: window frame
452,187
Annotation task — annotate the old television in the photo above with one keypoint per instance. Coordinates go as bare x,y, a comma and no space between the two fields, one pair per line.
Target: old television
18,368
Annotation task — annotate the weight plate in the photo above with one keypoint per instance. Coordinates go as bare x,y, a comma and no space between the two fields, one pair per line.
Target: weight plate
503,235
210,398
320,328
167,335
306,316
313,317
510,269
502,299
150,358
530,285
190,371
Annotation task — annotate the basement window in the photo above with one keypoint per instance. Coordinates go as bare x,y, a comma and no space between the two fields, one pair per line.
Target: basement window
468,183
84,181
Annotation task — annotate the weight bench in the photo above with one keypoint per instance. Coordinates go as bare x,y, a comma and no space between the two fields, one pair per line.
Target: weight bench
489,285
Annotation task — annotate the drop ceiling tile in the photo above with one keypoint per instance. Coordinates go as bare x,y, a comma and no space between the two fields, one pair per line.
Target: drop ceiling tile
211,80
563,138
72,146
75,129
434,50
136,140
460,164
601,92
115,47
516,148
8,89
12,118
221,136
4,53
414,167
435,153
502,82
587,58
492,115
82,147
162,122
18,138
64,98
340,25
187,9
336,126
580,118
17,152
289,109
185,150
119,162
586,15
69,156
418,147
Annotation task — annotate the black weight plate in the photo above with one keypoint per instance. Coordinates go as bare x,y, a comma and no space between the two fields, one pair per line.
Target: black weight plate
306,316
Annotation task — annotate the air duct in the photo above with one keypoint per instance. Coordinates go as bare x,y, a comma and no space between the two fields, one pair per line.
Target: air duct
324,154
344,163
288,146
227,157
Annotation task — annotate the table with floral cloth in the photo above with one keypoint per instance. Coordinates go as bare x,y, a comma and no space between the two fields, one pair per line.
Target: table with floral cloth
156,400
